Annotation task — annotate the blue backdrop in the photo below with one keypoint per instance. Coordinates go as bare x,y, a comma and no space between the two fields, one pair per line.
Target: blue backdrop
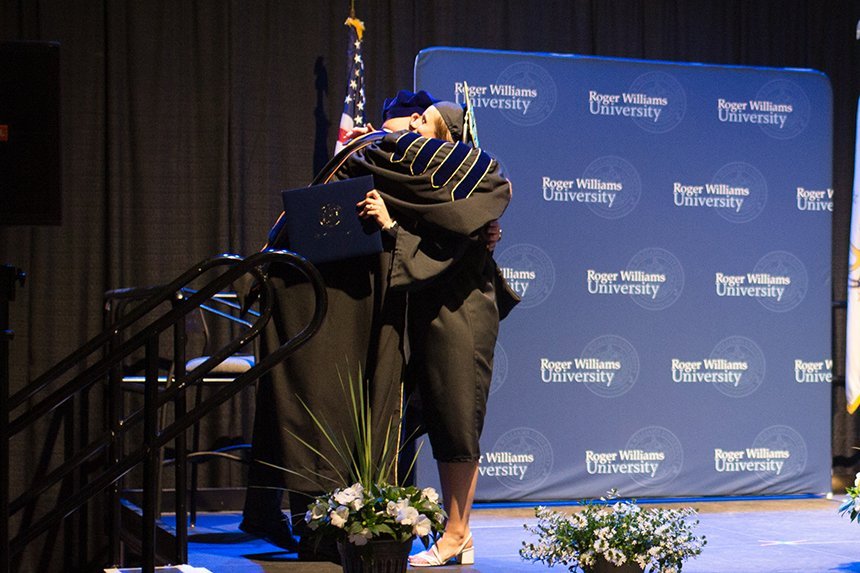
670,235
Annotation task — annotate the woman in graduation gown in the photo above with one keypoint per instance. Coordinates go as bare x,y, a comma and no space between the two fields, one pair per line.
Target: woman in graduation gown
454,304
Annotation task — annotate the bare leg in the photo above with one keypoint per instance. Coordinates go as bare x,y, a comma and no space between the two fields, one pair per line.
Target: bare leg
459,481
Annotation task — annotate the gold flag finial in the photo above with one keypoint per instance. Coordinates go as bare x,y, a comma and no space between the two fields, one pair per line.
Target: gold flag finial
354,22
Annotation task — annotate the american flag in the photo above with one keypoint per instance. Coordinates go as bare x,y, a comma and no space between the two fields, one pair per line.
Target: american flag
353,104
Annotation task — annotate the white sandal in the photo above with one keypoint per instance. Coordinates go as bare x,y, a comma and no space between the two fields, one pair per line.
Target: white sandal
430,558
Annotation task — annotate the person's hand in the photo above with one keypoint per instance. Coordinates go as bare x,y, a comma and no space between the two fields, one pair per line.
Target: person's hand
359,131
373,207
492,234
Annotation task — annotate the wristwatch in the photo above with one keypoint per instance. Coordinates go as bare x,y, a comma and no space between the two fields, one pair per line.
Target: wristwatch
391,229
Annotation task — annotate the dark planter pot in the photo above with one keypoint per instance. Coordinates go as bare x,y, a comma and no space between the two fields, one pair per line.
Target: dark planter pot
377,556
603,566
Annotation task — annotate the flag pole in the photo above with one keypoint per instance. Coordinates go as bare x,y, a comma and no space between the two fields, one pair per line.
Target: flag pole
852,327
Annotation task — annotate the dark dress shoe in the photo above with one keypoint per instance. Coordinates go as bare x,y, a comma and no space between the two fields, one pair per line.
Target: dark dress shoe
277,532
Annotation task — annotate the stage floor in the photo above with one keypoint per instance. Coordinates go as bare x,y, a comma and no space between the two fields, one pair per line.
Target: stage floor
768,536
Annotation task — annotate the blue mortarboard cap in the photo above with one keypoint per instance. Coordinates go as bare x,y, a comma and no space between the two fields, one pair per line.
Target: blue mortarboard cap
406,103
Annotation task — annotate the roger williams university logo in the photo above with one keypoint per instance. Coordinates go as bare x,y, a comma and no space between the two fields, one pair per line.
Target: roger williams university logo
777,453
529,271
709,371
655,102
780,108
752,285
652,457
714,195
814,200
813,371
610,187
608,366
626,282
779,282
737,192
521,459
653,279
524,93
760,112
735,367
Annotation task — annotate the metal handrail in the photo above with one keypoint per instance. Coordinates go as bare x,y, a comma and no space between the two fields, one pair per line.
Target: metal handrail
147,337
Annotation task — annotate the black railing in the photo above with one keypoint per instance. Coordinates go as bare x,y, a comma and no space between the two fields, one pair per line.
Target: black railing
34,404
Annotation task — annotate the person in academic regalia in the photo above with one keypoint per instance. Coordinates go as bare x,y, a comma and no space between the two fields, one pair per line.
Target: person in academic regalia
453,285
362,331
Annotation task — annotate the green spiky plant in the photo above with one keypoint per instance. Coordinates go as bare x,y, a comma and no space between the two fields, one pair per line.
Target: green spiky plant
374,506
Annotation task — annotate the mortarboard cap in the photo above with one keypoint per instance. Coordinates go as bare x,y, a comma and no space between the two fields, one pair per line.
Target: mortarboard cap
454,116
405,103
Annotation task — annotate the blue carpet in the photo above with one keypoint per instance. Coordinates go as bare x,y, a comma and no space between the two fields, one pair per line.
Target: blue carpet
767,536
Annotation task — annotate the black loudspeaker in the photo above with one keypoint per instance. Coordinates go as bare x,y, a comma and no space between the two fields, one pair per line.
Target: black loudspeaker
30,187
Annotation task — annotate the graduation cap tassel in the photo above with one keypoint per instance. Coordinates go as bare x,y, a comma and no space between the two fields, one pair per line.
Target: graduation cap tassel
470,131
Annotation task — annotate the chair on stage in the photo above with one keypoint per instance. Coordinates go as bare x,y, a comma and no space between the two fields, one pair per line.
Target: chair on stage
203,329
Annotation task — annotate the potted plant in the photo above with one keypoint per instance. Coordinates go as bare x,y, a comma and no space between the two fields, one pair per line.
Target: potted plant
373,520
375,525
851,505
614,535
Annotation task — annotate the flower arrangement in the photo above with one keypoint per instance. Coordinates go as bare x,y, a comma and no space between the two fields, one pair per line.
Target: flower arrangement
373,507
620,533
851,505
381,510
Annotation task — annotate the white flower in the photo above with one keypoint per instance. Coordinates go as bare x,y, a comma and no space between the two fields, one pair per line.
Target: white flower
603,533
422,526
857,480
611,533
393,508
587,559
348,495
361,537
615,557
407,516
339,516
430,493
857,504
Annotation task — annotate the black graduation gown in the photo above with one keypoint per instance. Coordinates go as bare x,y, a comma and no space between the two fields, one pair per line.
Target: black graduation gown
362,332
443,195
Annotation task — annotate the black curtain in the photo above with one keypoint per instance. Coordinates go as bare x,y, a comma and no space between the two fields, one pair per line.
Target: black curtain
182,119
